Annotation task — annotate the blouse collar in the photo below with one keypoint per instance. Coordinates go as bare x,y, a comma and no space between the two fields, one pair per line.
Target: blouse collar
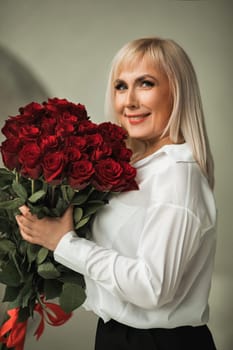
178,152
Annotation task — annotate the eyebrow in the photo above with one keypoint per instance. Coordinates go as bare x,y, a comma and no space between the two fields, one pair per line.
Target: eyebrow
146,76
138,79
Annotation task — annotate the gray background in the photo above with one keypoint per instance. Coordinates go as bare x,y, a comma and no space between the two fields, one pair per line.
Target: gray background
63,48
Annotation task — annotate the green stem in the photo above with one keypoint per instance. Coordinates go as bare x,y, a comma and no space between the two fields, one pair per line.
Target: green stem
40,301
32,186
17,177
53,195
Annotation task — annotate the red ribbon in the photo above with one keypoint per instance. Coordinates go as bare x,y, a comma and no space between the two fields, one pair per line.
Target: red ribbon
17,331
49,312
52,314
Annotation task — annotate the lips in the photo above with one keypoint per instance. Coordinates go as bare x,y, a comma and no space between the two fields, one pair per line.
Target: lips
135,119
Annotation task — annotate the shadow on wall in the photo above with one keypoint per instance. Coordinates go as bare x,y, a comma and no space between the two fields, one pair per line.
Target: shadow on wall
18,86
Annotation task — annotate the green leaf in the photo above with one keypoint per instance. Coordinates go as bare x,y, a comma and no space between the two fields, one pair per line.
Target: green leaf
82,222
79,198
77,215
5,172
6,246
24,314
11,293
27,291
52,288
61,206
72,297
38,210
19,190
12,204
15,257
70,193
23,246
5,193
35,197
48,271
32,251
5,225
22,295
67,193
6,177
93,207
42,255
9,275
70,276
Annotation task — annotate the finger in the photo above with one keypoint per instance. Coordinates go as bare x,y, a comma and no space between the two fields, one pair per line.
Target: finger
27,237
68,212
26,231
24,209
19,221
22,221
26,213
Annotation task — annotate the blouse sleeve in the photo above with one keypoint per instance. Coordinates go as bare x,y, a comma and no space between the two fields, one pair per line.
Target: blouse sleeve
170,238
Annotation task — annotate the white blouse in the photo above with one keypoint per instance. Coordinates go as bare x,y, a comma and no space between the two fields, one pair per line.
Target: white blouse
151,257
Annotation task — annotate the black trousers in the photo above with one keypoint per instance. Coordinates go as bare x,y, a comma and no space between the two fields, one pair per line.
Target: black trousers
116,336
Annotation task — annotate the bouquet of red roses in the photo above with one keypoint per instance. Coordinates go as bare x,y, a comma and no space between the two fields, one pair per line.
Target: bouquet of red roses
55,156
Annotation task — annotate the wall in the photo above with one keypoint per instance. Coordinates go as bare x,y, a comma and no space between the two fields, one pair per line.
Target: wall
63,48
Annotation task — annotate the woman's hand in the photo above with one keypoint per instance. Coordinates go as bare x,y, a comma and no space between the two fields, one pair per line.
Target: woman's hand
47,231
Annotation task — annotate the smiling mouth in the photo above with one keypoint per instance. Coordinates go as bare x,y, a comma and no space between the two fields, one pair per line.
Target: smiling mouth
136,119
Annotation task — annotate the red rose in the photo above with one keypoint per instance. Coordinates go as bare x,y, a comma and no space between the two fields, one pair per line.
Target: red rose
29,157
120,152
79,110
64,129
79,142
124,154
32,110
73,154
29,132
112,132
87,127
11,128
67,117
129,171
56,105
29,154
9,150
62,105
54,164
48,124
94,140
75,148
108,175
31,173
129,174
80,174
101,152
50,143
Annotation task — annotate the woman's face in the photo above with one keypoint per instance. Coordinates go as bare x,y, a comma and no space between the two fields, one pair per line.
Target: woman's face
142,101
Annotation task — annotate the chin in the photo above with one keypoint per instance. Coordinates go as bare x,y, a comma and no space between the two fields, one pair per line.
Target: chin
137,136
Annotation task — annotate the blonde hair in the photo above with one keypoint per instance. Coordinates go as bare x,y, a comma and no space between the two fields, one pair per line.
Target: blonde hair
187,117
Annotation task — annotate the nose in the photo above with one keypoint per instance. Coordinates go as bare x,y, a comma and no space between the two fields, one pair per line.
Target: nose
131,100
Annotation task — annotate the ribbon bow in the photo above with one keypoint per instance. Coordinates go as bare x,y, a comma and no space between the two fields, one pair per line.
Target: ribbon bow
52,314
13,332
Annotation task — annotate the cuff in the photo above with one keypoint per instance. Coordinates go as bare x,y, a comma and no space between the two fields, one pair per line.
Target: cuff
72,252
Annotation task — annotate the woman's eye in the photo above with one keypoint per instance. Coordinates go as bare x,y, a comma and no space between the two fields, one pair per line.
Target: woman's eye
147,83
120,86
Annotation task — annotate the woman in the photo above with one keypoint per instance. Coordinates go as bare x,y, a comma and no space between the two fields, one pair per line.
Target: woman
148,267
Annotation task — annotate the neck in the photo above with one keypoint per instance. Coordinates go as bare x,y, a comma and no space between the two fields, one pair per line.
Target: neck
142,149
